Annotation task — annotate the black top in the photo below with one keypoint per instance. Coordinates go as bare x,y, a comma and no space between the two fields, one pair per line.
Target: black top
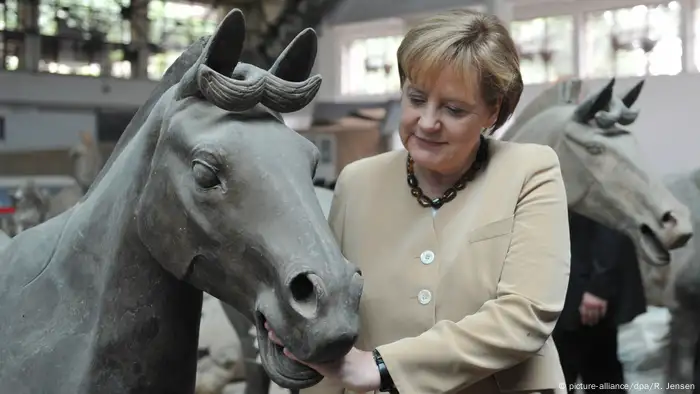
603,263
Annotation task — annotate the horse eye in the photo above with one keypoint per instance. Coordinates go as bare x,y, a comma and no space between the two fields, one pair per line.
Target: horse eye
204,175
595,149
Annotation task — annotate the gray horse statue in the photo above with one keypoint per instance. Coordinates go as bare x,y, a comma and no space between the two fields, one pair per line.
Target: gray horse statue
206,190
605,180
602,166
676,285
31,205
683,295
87,163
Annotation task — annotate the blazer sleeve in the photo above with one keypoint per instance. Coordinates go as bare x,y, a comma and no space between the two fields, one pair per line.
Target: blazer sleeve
515,324
336,219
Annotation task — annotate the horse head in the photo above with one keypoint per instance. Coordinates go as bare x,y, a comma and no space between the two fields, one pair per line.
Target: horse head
87,160
30,205
229,204
605,177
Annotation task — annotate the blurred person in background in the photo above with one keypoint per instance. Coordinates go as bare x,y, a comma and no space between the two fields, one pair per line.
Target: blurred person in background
605,291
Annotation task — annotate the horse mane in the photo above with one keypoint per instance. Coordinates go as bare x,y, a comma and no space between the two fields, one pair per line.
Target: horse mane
172,76
562,92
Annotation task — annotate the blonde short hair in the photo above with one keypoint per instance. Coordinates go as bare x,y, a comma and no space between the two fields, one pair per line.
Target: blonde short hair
465,40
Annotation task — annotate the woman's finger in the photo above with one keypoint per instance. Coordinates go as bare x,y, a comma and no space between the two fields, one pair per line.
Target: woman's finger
290,355
272,336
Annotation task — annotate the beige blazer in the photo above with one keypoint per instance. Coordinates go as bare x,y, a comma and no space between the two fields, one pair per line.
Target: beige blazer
463,301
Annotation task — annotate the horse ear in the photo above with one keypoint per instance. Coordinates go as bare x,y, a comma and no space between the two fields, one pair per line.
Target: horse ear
590,106
221,52
86,138
226,44
631,96
295,63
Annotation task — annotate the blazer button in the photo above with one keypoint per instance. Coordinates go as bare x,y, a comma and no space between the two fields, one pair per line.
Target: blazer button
427,257
424,297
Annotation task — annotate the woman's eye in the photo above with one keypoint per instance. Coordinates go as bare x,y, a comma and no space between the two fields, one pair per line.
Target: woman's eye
204,175
416,100
455,111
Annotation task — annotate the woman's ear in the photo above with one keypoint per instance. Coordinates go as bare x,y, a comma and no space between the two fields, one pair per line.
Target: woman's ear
495,111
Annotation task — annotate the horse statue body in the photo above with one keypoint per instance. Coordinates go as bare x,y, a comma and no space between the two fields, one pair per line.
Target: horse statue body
87,162
602,166
682,294
33,206
206,190
30,204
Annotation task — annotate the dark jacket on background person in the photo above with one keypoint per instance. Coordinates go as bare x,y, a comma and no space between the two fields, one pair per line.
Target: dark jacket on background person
603,263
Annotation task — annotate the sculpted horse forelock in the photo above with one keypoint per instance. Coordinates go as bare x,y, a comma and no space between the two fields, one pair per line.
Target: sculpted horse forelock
207,190
601,166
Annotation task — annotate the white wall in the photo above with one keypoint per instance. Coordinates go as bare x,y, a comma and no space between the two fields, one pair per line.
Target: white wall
74,91
28,128
668,126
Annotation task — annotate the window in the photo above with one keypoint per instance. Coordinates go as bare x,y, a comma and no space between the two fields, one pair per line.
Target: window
2,129
174,26
696,33
370,66
635,41
9,18
101,17
545,47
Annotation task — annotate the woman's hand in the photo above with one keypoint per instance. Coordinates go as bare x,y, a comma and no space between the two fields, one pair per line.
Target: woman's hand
357,371
592,309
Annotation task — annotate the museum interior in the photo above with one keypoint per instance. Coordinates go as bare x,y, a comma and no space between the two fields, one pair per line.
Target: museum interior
75,73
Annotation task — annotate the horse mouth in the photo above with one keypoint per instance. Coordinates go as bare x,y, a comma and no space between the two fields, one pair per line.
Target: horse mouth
282,370
653,250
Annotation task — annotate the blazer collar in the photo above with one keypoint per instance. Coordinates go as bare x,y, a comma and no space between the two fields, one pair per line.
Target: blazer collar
409,211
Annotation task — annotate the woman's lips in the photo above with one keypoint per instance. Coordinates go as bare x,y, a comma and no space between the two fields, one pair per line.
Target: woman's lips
429,143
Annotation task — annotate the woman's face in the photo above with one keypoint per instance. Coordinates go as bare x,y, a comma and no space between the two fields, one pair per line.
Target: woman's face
440,124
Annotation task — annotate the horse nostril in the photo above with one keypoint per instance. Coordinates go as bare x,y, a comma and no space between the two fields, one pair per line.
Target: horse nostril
303,289
668,219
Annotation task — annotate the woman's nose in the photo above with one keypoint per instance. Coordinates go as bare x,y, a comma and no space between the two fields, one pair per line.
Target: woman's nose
428,122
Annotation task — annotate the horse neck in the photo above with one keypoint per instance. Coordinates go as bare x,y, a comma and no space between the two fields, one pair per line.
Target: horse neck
144,316
87,167
538,130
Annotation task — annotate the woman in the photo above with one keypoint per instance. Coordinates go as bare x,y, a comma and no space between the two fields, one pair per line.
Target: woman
463,241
